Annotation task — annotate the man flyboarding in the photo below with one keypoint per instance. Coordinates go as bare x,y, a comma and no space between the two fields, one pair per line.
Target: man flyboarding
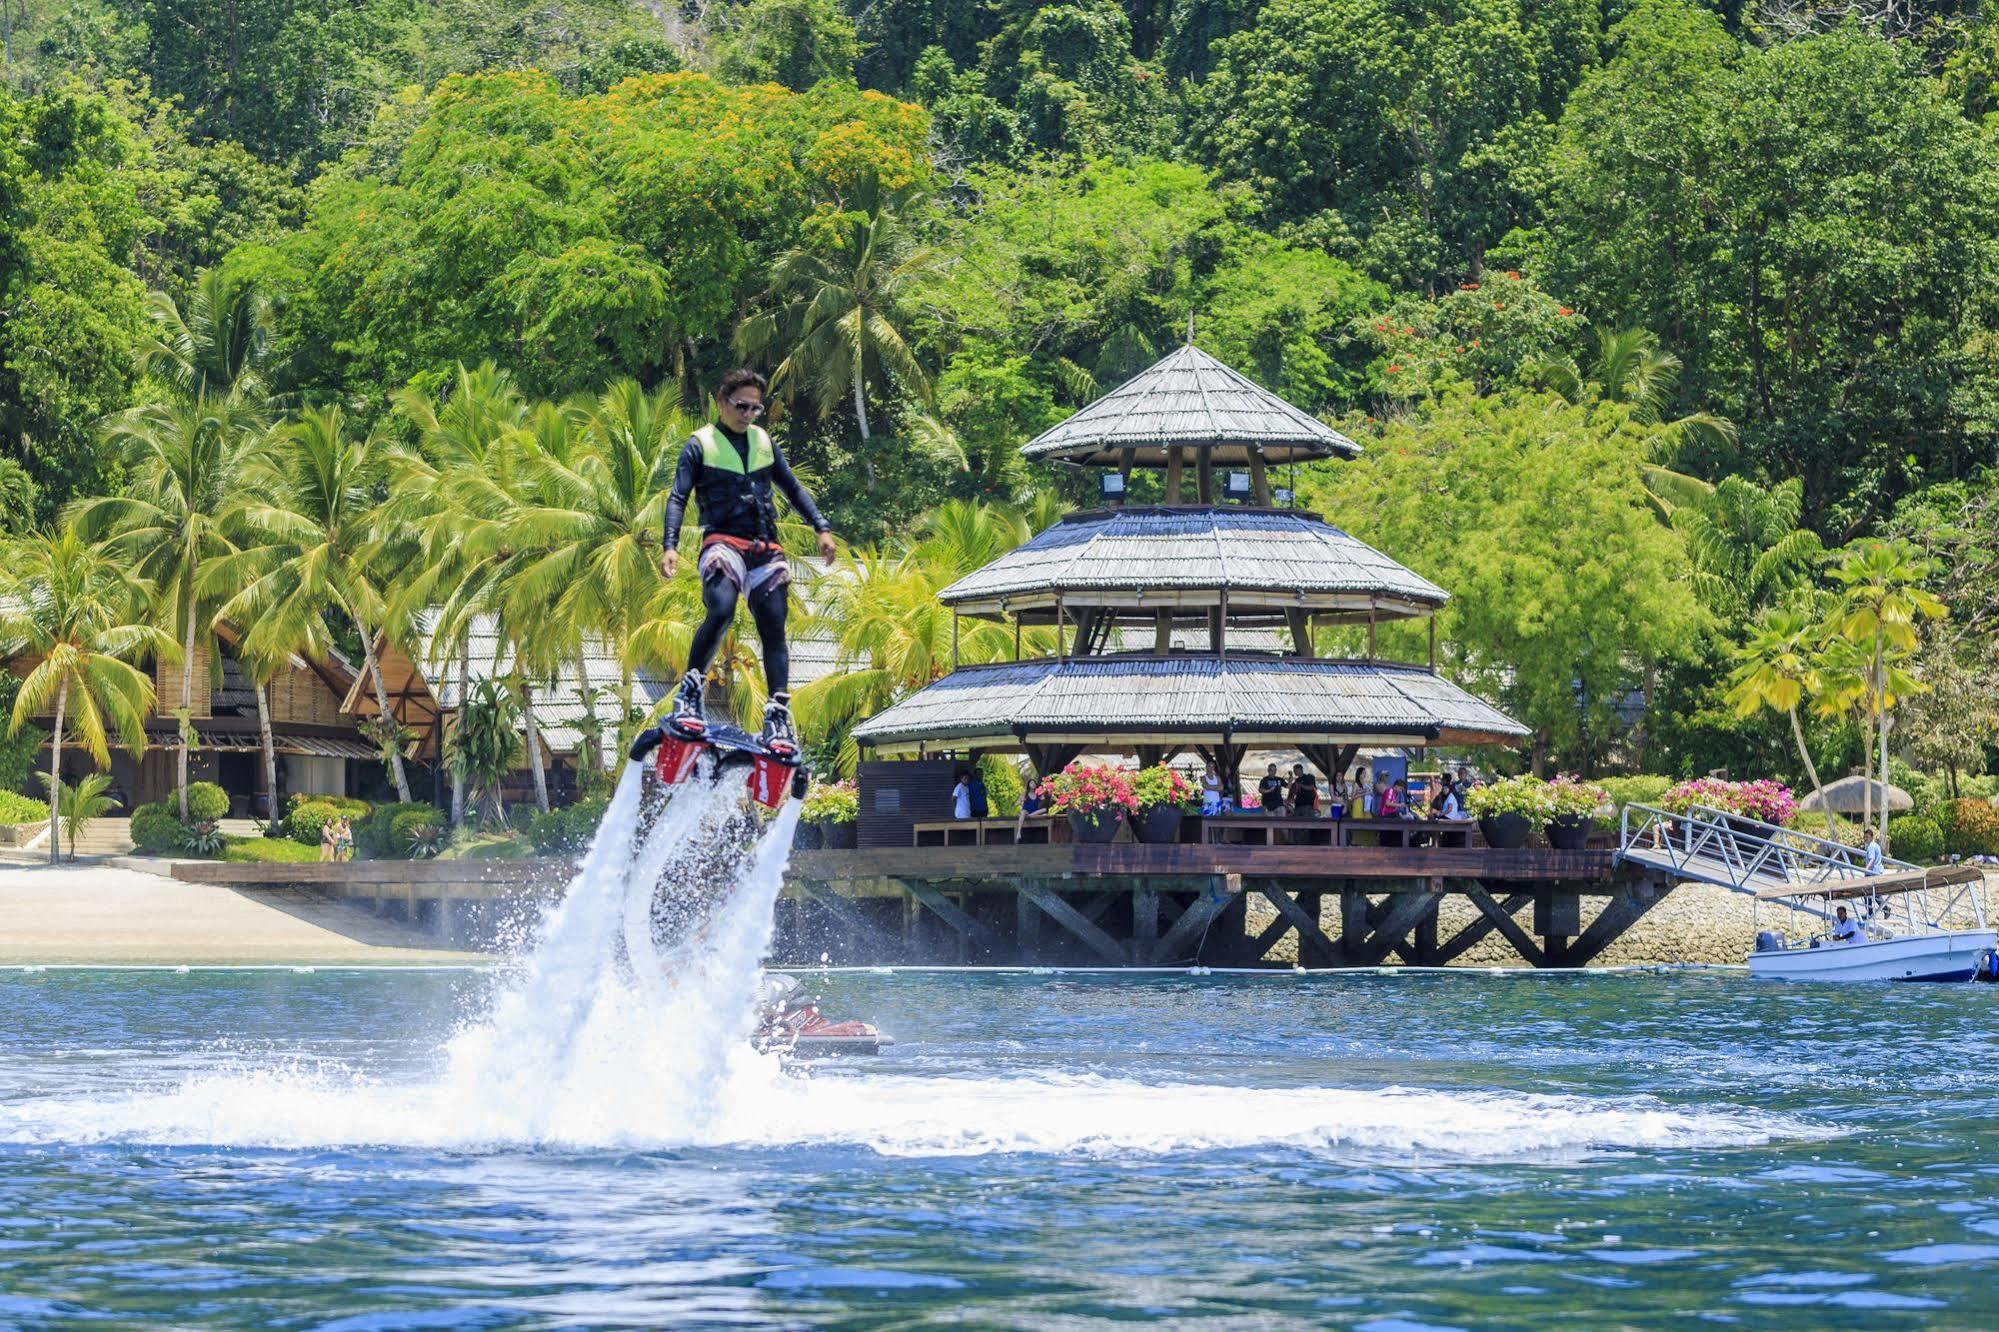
731,467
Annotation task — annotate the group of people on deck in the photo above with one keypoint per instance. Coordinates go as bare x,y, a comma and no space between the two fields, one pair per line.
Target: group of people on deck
1355,797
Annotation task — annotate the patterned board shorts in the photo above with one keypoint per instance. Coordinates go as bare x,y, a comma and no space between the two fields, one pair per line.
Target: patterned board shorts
750,565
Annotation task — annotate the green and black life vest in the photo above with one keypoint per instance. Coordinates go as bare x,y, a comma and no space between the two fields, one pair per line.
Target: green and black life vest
735,499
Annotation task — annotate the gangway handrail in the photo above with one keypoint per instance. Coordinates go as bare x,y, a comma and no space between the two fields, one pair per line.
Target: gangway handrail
1743,848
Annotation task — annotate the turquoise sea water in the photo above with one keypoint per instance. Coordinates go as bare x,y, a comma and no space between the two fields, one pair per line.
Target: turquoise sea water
278,1149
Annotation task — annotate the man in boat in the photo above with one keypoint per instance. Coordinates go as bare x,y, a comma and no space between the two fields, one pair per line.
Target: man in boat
733,468
1845,929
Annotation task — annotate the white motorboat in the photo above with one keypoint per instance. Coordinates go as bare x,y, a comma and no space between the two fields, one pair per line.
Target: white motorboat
1902,933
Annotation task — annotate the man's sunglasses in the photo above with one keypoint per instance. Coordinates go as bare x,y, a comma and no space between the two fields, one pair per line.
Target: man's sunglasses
748,408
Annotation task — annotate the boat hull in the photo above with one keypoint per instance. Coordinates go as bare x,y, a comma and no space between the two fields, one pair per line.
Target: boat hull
1947,955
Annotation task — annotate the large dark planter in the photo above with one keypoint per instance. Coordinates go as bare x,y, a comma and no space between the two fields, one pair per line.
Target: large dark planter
1161,823
839,836
1097,826
808,837
1505,832
1570,832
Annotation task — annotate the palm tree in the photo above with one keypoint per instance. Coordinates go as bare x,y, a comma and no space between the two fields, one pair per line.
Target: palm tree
81,805
839,298
1747,548
1776,670
1881,598
312,511
184,466
455,489
588,530
892,635
217,347
1632,368
83,616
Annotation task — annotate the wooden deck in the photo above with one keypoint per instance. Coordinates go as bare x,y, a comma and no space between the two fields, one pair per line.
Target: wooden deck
1119,904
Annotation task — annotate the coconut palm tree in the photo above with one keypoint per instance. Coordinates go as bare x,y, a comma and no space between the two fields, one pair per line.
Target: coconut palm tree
84,618
1881,599
1631,367
454,488
311,513
81,805
588,528
184,462
218,346
838,301
891,633
1776,670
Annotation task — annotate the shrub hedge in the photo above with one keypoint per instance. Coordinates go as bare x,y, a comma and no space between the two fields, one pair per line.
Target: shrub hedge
16,808
1914,837
1641,790
1970,827
307,820
158,832
206,802
267,851
562,832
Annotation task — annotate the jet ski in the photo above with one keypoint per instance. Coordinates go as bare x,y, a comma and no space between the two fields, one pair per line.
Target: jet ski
789,1023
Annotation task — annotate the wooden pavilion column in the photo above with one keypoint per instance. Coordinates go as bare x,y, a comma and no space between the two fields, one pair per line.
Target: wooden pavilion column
1259,479
1300,622
1162,631
1204,476
1174,467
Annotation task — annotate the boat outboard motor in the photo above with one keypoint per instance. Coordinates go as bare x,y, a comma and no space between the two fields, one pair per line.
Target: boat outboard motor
1988,966
1769,941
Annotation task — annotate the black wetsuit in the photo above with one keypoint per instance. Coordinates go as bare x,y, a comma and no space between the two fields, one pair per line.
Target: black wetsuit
739,505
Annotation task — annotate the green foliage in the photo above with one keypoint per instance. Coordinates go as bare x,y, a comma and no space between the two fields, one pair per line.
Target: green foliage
17,747
1005,785
1847,832
157,832
267,851
1421,124
831,802
487,846
576,238
1534,513
562,832
1486,335
1969,827
1640,790
417,831
17,808
1809,225
206,802
1912,837
305,821
485,744
795,43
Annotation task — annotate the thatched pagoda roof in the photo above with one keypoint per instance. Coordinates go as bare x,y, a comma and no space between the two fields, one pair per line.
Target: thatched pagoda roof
1153,699
1151,557
1188,400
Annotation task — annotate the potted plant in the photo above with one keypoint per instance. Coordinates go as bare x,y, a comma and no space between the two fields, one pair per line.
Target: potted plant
1508,810
1743,805
1573,805
1164,797
830,811
1095,796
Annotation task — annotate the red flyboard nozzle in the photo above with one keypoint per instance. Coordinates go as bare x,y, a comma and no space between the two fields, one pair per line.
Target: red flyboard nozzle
770,781
676,758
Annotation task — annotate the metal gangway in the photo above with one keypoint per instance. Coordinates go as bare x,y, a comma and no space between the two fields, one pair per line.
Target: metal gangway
1749,856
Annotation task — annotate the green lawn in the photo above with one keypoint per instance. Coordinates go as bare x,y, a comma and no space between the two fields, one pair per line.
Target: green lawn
268,851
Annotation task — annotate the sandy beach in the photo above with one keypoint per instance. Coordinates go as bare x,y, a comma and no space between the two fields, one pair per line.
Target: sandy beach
97,914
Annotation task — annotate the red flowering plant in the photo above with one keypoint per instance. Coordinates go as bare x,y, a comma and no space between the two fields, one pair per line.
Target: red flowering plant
1767,800
1088,788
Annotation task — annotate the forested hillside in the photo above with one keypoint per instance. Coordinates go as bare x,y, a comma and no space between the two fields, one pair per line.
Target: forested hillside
1639,306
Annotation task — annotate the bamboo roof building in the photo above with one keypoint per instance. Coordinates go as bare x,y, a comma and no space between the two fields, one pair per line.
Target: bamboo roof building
1191,624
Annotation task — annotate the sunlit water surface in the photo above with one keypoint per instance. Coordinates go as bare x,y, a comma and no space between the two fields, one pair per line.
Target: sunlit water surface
288,1149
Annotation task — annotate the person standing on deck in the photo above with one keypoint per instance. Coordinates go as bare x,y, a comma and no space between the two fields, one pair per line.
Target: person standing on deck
732,468
961,796
1874,863
1270,791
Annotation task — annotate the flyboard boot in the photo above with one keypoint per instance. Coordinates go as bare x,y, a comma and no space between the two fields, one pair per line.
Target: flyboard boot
774,765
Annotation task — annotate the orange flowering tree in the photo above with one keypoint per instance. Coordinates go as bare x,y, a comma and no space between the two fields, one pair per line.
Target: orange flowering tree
1484,335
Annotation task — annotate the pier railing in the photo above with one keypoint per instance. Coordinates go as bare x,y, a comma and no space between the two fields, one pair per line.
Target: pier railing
1744,854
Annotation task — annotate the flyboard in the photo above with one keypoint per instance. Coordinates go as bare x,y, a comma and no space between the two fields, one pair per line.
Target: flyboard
677,890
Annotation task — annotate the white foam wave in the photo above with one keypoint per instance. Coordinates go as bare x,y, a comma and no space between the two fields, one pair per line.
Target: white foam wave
756,1106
